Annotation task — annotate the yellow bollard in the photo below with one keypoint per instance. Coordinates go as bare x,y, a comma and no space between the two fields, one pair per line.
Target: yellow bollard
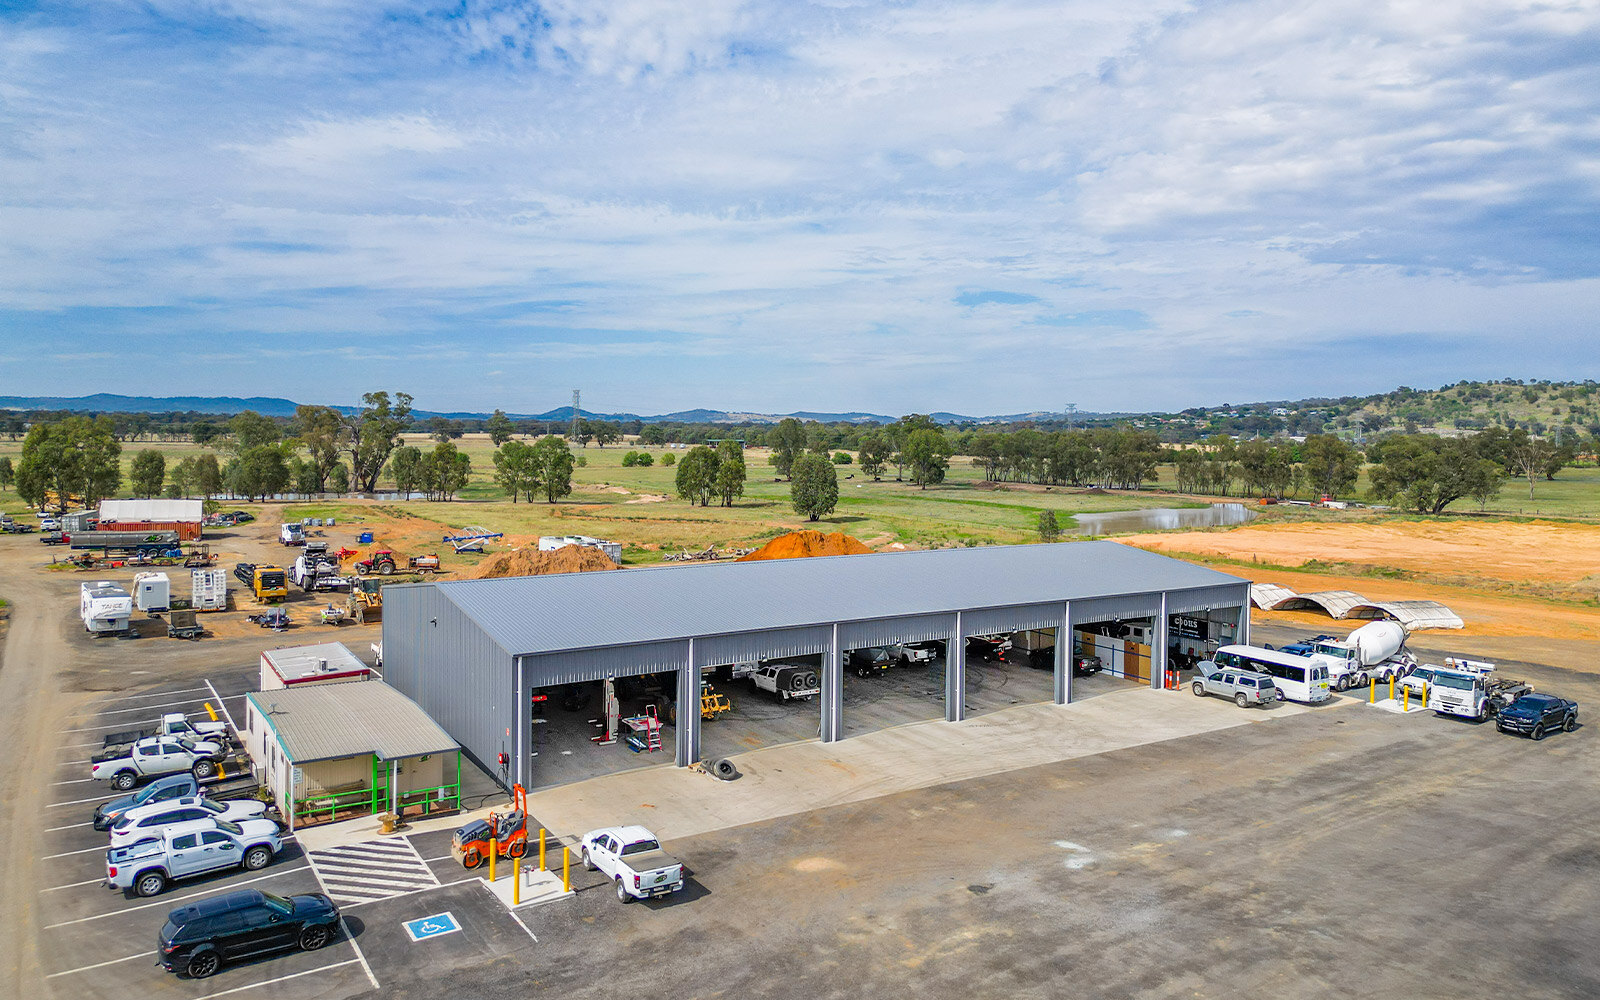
516,882
1372,691
494,848
1391,687
566,869
212,711
220,773
541,849
1405,699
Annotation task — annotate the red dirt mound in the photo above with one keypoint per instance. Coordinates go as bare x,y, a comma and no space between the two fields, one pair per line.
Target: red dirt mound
532,562
800,544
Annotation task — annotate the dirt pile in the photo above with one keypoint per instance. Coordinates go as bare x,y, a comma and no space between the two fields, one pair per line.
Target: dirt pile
801,544
532,562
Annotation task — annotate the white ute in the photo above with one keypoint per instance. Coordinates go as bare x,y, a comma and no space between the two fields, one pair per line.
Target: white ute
189,849
153,757
633,859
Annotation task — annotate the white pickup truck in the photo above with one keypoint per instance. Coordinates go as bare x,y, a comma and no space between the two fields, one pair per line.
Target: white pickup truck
786,680
174,724
633,859
190,849
152,758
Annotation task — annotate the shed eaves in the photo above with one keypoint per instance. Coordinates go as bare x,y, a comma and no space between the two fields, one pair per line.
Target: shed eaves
546,614
336,720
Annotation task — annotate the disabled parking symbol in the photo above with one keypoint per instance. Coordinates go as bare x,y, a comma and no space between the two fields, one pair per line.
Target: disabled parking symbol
431,927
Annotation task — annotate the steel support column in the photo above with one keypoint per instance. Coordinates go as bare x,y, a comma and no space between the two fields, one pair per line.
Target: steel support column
1242,636
688,723
955,675
522,705
1158,648
1064,656
832,726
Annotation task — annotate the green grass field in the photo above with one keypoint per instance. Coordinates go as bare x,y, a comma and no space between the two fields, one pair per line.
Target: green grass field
609,501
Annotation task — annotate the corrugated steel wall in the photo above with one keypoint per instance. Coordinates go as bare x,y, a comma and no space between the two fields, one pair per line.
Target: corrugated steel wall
887,631
747,647
452,669
597,664
1205,598
1105,609
990,621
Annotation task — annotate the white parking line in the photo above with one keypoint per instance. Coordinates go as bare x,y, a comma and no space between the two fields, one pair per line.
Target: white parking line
69,763
413,892
77,802
297,975
170,900
222,703
346,928
69,826
153,694
73,885
68,854
147,708
99,965
72,781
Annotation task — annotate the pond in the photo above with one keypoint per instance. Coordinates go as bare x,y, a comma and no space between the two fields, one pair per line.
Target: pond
1163,518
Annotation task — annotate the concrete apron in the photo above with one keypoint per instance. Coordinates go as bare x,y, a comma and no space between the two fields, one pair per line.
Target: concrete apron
799,777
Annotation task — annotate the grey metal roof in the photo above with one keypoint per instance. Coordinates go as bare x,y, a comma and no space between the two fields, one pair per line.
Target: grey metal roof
151,510
333,720
546,614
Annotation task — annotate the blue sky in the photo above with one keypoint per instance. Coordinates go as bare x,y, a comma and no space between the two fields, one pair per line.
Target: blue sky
985,208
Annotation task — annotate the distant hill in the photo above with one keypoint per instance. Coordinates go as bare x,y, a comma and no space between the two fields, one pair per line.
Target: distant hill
108,403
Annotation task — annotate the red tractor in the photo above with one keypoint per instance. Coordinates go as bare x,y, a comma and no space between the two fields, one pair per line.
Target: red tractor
381,563
508,831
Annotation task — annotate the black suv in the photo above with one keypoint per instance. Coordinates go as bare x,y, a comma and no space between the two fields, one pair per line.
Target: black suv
199,937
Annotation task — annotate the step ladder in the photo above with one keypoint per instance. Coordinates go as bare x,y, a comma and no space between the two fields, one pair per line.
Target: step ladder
652,729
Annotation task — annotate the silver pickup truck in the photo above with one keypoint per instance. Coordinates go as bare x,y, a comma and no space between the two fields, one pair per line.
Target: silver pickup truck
124,766
634,860
194,848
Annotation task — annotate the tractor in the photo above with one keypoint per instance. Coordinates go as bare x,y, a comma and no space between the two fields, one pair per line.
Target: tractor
380,563
365,601
508,832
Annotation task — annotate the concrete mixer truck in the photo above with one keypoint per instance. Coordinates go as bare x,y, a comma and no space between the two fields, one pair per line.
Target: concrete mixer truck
1374,652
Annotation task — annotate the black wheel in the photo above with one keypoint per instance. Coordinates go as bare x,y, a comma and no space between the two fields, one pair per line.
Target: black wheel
588,864
313,938
123,780
863,672
623,896
257,857
1538,732
204,769
1199,689
386,569
905,661
1240,700
1569,724
150,884
517,849
203,965
471,859
724,769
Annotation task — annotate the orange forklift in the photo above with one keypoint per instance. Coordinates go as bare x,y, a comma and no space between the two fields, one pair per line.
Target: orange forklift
508,830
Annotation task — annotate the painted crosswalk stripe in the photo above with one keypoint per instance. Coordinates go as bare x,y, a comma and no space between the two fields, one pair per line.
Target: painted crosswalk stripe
368,872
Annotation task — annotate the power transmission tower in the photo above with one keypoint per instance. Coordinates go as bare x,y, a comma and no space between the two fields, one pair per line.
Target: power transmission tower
574,432
1072,409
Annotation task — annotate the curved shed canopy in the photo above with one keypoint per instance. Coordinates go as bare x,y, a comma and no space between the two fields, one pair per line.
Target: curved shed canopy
1412,614
1266,595
1334,603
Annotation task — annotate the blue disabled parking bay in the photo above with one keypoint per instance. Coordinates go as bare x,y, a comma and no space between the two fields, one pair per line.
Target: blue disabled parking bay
431,927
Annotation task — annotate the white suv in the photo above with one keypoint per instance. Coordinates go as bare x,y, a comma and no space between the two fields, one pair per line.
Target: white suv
146,822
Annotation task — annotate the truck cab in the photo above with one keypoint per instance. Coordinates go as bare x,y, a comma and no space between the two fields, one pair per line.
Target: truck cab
292,534
270,583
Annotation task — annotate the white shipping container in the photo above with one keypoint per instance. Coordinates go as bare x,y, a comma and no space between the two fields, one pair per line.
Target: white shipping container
152,591
210,590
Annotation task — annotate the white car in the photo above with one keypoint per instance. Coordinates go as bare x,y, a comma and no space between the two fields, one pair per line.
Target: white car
185,850
147,822
49,524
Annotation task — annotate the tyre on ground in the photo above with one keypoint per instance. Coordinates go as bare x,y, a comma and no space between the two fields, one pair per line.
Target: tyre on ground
203,965
204,769
623,895
588,863
1538,732
312,938
1199,689
1240,700
150,884
257,857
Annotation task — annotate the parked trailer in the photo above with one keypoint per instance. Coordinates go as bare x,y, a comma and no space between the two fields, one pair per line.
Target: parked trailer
125,541
152,592
209,590
106,609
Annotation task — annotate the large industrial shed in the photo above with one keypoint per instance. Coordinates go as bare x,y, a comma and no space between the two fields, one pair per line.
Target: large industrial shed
470,652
